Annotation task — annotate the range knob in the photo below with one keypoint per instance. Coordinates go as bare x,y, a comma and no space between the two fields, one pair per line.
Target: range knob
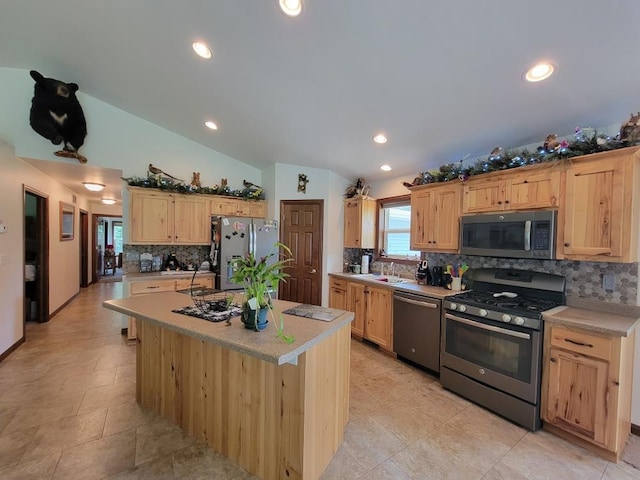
462,308
518,321
483,312
505,318
453,306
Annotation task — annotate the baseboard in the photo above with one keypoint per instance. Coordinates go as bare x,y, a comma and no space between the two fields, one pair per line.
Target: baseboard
635,429
61,307
11,349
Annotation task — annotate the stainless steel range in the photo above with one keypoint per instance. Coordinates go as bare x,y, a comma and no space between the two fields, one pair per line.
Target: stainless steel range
492,341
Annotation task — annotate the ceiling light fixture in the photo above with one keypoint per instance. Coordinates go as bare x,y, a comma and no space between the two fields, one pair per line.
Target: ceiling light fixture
108,201
380,138
292,8
211,125
539,72
385,168
93,187
202,50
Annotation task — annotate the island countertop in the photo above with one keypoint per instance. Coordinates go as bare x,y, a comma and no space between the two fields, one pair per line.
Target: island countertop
156,308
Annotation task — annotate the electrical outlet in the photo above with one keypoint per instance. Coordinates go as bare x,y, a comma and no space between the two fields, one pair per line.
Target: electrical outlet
609,281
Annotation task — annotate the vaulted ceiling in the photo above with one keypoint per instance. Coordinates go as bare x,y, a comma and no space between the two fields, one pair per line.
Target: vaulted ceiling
442,80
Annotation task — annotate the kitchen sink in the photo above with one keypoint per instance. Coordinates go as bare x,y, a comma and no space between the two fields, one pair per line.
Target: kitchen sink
383,278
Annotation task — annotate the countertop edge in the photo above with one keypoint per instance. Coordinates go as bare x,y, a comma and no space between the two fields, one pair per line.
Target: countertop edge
426,290
286,357
586,319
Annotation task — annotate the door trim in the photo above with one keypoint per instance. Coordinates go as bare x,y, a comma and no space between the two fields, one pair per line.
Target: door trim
42,201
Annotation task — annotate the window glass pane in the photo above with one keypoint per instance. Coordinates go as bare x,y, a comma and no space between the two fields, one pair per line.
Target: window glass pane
396,228
117,237
400,218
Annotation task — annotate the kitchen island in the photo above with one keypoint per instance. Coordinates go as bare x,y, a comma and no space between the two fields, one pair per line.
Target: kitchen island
279,410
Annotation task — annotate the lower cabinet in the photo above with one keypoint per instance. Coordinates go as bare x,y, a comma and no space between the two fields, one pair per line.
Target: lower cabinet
586,389
144,287
372,307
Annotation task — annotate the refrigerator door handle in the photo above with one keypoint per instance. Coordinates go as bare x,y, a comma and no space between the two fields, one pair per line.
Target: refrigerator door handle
252,238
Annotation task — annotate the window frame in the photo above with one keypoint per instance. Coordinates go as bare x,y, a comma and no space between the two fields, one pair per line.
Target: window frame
381,204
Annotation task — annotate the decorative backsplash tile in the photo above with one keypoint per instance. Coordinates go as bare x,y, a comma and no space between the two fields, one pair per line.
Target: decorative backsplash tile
584,279
195,254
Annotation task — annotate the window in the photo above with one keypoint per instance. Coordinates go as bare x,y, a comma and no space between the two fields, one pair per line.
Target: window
395,228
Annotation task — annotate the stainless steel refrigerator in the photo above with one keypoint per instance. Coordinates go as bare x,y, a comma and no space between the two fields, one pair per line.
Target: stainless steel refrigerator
234,237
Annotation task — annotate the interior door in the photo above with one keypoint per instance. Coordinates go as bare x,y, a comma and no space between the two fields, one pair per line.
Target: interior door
84,249
301,230
36,255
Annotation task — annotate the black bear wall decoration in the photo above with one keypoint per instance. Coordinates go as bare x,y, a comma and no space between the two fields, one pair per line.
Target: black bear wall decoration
56,114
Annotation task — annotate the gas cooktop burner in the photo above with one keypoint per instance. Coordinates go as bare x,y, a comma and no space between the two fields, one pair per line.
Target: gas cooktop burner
518,304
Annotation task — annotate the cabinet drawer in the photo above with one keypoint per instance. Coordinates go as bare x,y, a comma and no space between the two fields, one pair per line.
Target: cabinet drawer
138,288
584,343
338,284
202,282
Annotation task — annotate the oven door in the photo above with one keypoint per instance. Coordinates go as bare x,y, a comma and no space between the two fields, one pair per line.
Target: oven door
507,358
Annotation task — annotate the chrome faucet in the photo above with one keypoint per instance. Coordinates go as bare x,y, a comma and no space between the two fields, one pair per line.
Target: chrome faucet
392,269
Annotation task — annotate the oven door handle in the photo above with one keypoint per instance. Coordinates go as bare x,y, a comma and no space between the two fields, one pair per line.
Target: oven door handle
527,235
483,326
415,302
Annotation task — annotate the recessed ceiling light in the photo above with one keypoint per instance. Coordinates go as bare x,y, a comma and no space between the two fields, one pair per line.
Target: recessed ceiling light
291,8
202,50
539,72
93,187
108,201
385,168
211,125
380,138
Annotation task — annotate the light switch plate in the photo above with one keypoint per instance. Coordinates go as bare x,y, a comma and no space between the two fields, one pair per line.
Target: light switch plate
609,281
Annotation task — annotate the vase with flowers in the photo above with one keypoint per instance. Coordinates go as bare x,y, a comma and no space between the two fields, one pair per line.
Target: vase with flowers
260,277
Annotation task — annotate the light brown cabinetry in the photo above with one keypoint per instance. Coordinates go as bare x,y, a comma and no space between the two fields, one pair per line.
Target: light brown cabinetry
435,217
599,214
160,218
237,207
359,223
517,190
373,308
586,391
337,293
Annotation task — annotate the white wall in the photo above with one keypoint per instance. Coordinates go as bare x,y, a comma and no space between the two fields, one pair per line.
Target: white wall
282,180
64,283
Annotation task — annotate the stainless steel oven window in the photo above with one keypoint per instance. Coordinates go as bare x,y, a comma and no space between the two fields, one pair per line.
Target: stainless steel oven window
499,349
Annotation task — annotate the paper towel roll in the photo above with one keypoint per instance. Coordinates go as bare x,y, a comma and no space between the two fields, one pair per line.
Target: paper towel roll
365,264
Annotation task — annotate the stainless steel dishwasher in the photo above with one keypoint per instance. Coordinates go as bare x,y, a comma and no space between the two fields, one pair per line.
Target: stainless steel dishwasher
416,328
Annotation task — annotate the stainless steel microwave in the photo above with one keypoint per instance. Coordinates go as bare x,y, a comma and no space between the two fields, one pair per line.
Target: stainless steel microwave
527,234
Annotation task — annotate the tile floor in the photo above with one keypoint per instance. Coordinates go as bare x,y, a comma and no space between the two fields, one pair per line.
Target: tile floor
68,411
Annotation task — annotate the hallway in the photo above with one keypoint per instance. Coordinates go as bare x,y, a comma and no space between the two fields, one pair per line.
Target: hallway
68,411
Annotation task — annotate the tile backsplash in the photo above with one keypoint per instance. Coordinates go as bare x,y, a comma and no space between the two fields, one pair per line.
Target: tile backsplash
185,254
584,279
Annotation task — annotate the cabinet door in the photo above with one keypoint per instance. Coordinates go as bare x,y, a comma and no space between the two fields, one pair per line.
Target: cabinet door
538,190
198,282
577,395
379,322
192,221
356,303
483,196
593,208
352,223
254,209
337,294
420,219
224,206
151,218
445,226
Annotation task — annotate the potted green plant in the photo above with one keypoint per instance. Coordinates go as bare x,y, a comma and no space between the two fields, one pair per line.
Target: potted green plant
260,277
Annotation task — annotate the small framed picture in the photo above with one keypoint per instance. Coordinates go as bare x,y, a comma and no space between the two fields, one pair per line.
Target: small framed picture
67,221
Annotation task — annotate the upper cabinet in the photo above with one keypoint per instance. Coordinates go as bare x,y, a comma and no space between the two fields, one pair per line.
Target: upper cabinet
359,223
162,218
435,217
237,207
514,190
598,218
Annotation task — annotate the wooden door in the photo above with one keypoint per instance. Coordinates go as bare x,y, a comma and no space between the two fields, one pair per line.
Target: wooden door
533,190
338,293
594,207
446,218
357,303
484,196
352,223
577,397
191,220
301,231
378,321
420,219
151,218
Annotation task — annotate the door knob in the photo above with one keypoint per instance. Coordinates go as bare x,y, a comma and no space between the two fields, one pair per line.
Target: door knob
313,270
